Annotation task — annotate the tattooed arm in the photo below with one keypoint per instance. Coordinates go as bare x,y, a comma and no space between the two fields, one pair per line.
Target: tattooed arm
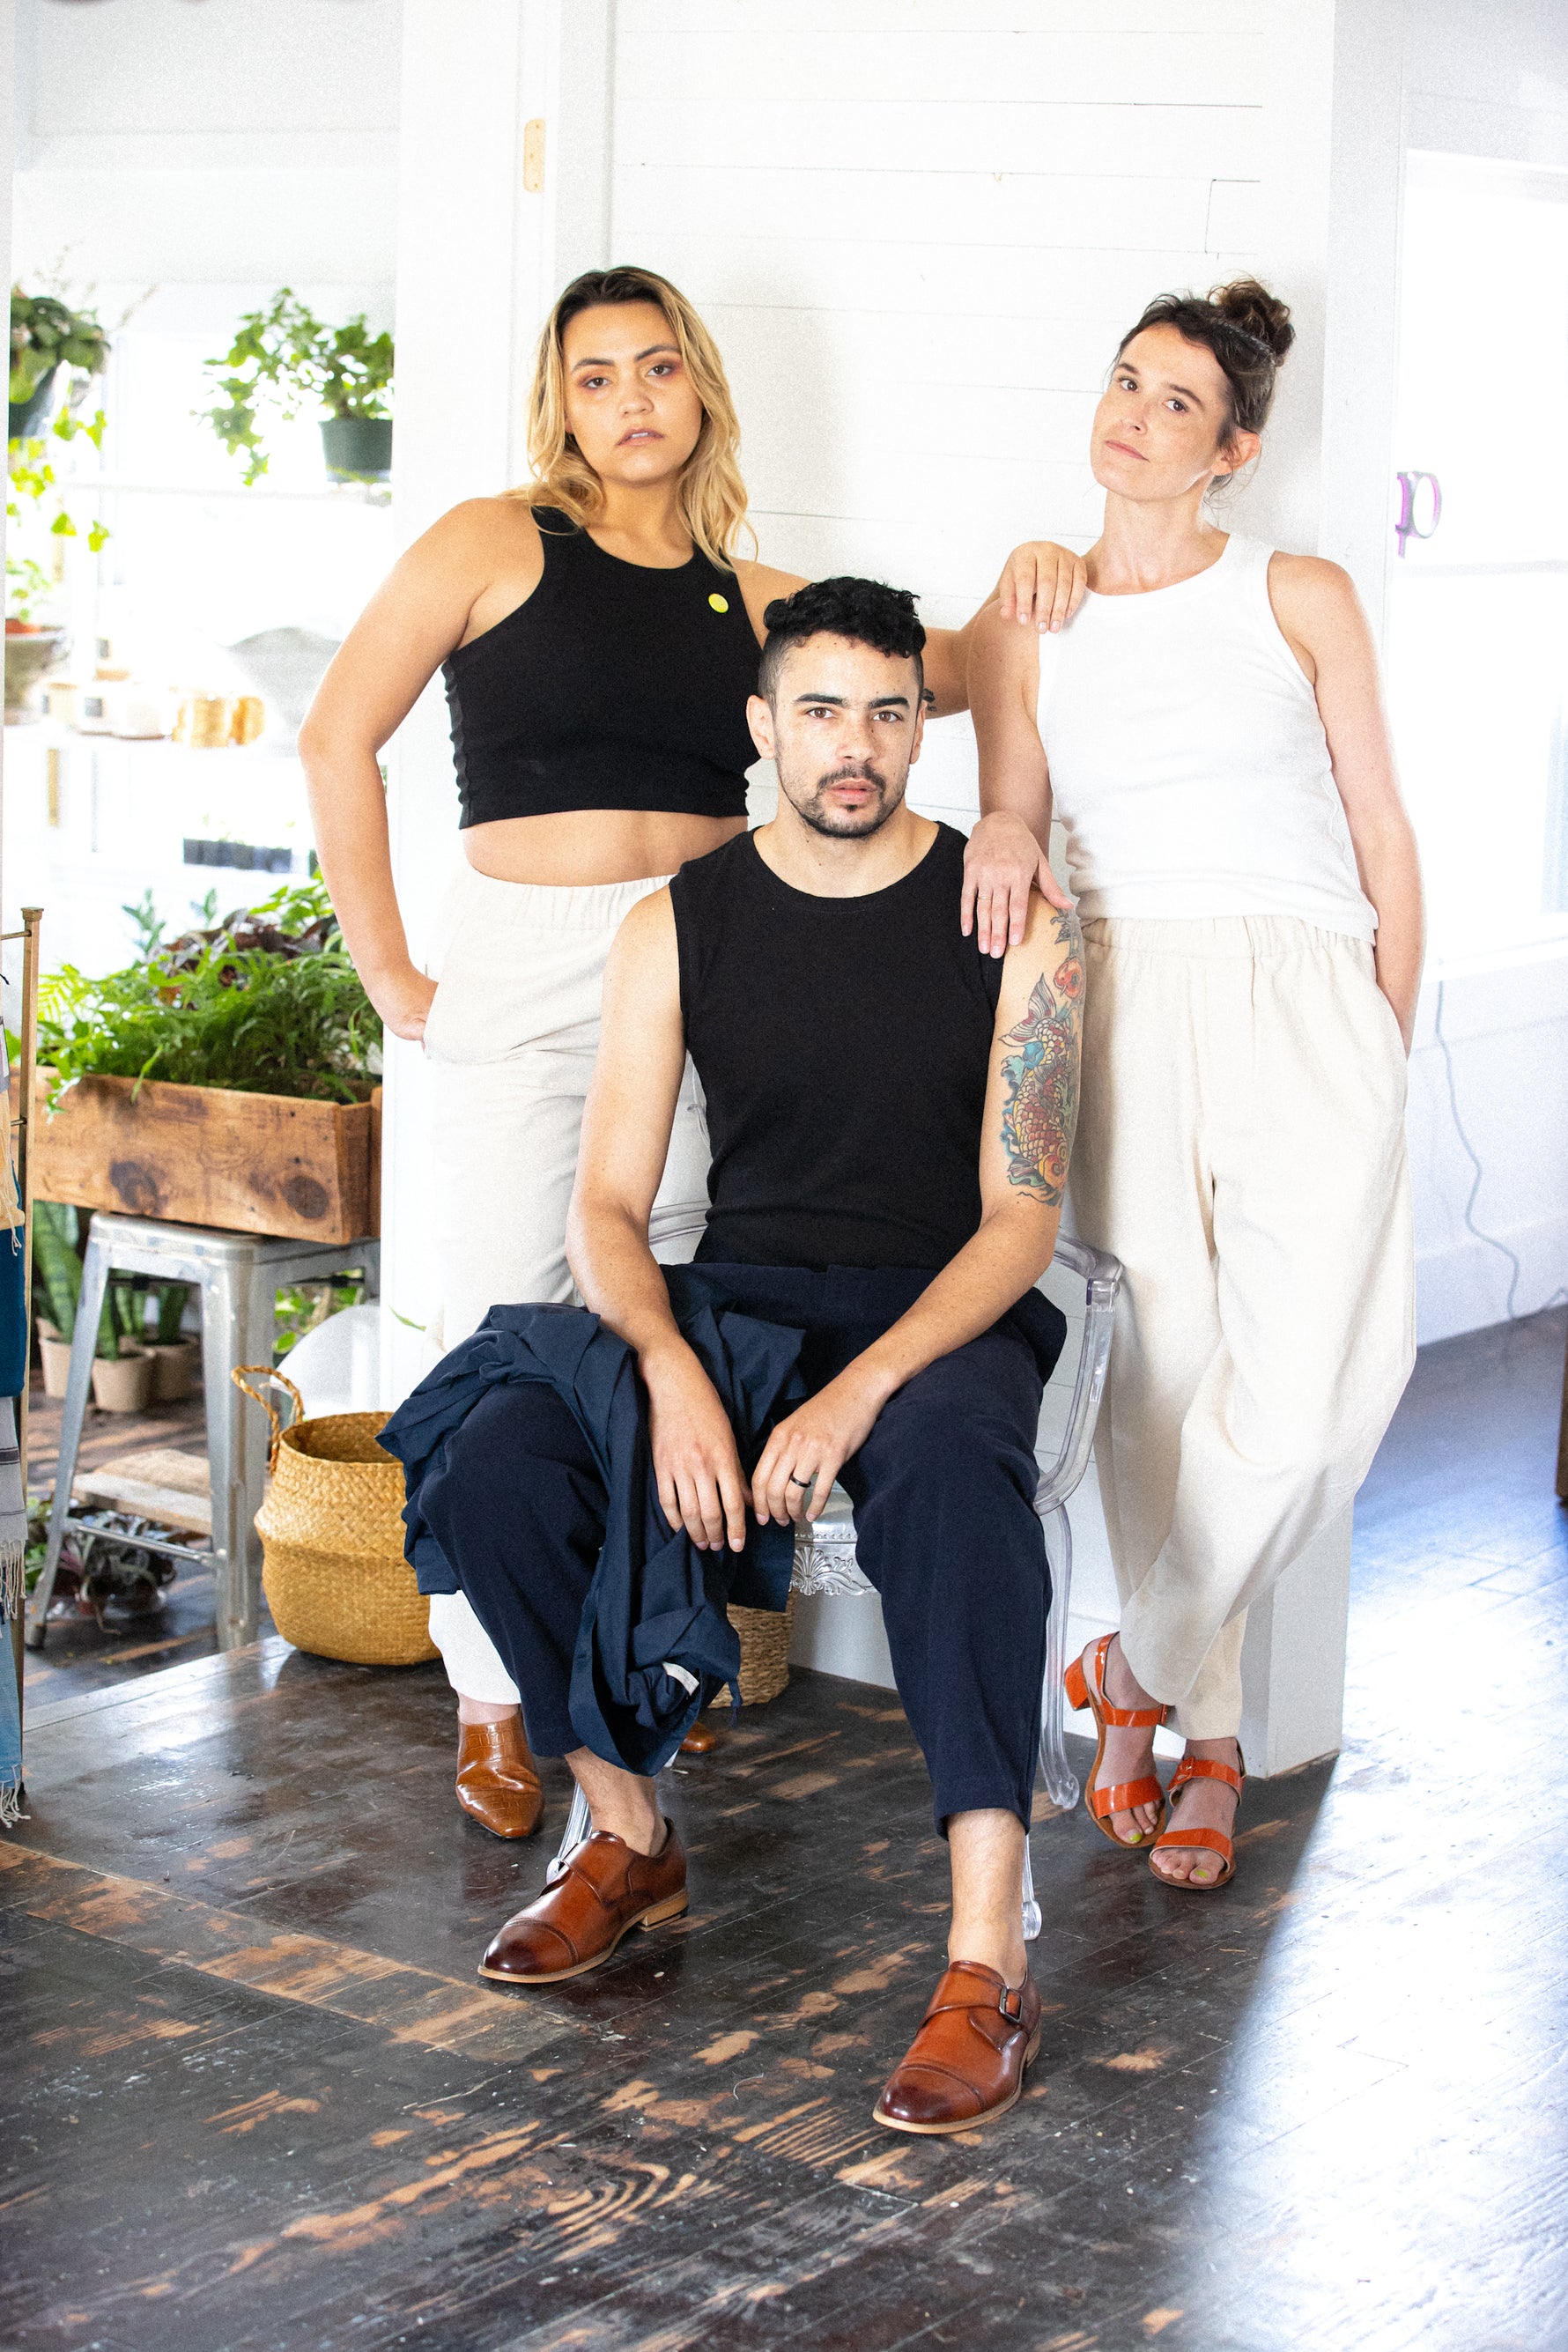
1031,1112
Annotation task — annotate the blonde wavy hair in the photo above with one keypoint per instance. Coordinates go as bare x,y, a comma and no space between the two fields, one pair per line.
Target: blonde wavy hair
712,493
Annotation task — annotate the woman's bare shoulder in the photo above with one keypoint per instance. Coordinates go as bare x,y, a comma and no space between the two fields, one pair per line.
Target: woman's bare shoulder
483,529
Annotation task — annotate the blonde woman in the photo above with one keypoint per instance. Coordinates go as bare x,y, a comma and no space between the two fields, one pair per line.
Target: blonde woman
599,632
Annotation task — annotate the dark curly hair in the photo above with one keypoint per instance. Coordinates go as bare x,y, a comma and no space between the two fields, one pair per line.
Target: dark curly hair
1246,327
866,611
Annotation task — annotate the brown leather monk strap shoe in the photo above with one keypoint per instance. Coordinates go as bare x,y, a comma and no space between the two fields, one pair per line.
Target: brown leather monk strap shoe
606,1890
965,2065
496,1779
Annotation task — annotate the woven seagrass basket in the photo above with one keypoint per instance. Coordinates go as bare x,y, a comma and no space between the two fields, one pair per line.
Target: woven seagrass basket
765,1651
332,1538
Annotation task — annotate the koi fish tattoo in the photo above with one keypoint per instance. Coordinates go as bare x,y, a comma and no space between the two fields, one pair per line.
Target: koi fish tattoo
1040,1115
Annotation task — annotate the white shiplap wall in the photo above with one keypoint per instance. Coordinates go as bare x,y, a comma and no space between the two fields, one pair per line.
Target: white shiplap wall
917,230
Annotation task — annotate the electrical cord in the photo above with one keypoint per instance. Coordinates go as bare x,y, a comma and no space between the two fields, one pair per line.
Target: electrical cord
1492,1241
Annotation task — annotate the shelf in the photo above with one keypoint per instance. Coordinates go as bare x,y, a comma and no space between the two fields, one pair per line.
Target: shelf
52,738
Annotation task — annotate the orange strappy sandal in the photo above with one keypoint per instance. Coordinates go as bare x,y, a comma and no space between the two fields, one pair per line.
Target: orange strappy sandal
1201,1768
1089,1690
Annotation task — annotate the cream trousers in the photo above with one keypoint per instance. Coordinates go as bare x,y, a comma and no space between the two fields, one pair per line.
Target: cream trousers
1241,1149
510,1040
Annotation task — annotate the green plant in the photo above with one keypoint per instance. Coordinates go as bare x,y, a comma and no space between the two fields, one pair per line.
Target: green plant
57,1270
169,1299
288,352
28,584
56,1265
301,1306
267,1002
149,923
47,333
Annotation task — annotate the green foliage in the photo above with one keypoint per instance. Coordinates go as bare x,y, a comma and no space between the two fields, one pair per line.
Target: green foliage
28,585
148,921
287,351
301,1306
29,475
57,1267
47,333
169,1301
267,1002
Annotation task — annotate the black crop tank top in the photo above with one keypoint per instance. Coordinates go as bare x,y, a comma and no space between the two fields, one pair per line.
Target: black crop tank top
614,685
844,1047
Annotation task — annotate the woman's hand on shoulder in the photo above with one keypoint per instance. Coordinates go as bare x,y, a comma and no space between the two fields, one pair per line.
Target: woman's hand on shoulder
1043,584
1003,863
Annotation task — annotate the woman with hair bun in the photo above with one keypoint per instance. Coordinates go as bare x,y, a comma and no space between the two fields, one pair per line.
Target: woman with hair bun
598,631
1209,730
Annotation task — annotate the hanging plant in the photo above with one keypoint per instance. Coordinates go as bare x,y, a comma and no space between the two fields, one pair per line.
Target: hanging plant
47,334
287,351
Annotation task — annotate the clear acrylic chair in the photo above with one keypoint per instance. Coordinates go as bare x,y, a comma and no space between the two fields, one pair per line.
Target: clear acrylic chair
824,1561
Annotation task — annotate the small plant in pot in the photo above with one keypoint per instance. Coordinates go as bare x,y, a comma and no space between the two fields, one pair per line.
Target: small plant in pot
287,353
33,646
46,335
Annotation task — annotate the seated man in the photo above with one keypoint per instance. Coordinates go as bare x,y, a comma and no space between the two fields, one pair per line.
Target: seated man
891,1115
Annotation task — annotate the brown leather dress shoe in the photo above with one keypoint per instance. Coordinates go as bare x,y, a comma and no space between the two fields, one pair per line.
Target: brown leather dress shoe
496,1779
606,1890
965,2065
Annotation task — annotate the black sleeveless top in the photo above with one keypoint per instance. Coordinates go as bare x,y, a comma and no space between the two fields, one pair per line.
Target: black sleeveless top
844,1047
614,685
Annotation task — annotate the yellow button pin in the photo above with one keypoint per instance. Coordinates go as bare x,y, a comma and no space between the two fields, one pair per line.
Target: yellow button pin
719,604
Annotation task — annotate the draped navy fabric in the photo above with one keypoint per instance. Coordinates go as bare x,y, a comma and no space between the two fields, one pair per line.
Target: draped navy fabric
655,1600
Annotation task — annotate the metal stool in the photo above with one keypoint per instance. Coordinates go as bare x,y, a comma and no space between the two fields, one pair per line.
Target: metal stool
239,1276
825,1560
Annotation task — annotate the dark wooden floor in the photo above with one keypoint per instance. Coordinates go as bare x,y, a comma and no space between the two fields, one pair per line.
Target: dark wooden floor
254,2100
83,1652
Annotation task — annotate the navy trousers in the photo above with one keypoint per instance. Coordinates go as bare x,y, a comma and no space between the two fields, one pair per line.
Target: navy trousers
943,1493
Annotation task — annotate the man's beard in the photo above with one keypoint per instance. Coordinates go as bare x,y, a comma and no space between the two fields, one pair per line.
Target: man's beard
845,825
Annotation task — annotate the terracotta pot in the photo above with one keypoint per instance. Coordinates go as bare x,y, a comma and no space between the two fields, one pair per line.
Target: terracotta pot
56,1353
175,1363
123,1384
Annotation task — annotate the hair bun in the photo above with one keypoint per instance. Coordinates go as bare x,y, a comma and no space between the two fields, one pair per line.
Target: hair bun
1251,307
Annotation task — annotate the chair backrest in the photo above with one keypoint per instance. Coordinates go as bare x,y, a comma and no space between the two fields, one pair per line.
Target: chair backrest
1083,1282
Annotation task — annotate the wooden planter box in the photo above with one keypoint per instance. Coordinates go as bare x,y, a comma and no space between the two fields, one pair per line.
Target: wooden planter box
205,1156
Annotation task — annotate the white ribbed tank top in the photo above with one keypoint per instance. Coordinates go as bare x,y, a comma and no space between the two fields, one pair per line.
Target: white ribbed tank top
1188,763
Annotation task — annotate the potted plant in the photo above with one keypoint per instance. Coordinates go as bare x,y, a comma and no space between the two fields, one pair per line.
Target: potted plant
286,350
47,334
229,1078
123,1369
32,644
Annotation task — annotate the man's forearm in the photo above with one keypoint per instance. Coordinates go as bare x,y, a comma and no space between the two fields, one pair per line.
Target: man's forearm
990,1273
619,1278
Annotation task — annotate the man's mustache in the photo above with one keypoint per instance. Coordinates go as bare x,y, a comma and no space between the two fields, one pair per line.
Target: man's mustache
867,775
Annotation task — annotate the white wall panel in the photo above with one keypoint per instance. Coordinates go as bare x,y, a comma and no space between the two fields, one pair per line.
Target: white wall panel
1087,294
943,207
1234,23
953,133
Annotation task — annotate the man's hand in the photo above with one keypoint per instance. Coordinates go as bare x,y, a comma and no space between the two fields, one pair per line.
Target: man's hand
805,1452
1044,583
1002,862
701,1486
